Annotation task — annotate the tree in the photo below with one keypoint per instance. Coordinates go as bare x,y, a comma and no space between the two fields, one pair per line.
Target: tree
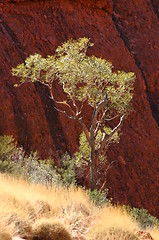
85,80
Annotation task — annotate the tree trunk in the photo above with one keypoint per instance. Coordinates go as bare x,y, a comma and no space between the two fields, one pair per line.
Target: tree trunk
93,165
94,156
93,174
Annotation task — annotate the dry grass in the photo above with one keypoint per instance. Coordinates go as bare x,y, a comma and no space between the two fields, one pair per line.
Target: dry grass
154,233
50,229
4,234
23,204
34,212
112,223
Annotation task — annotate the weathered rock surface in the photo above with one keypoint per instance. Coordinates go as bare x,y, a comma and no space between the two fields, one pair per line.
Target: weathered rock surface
125,33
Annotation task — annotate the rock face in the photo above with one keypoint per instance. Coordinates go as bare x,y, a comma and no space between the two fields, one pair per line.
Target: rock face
124,32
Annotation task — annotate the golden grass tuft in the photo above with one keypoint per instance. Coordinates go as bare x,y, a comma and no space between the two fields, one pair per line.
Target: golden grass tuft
4,235
112,224
50,229
113,234
154,233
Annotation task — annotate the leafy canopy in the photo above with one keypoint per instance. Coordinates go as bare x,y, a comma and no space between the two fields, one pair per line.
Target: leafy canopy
83,78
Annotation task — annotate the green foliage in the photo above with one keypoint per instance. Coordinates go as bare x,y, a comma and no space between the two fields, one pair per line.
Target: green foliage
66,172
31,168
83,78
14,161
84,151
83,156
7,147
7,150
99,197
142,216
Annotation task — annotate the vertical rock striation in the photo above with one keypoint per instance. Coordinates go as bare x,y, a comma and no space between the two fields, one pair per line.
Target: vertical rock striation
126,34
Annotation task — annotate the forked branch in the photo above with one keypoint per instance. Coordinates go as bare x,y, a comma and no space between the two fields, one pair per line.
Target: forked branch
104,142
116,128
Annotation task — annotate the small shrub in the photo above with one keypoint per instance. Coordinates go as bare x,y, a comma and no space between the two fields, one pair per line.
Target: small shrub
99,198
66,172
7,147
7,150
50,229
142,216
14,160
31,168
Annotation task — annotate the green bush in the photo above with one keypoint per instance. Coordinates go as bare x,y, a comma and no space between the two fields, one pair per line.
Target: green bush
7,150
15,161
99,197
66,172
31,168
142,216
7,147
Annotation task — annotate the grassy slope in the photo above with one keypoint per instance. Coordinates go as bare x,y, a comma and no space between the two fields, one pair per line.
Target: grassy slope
30,210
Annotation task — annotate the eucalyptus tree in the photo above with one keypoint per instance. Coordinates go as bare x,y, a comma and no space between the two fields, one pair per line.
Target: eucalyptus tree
85,80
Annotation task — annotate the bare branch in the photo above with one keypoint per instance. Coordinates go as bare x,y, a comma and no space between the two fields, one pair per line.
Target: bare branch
73,100
61,111
100,122
106,173
39,80
117,127
104,141
18,85
95,114
110,119
62,103
74,104
110,165
81,108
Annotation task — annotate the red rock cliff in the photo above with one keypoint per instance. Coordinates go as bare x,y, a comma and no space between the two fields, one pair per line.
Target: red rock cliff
124,32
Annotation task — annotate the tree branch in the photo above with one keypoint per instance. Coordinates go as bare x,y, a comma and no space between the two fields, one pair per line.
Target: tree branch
117,127
94,154
61,111
85,129
81,107
110,119
95,113
99,123
74,104
62,103
104,141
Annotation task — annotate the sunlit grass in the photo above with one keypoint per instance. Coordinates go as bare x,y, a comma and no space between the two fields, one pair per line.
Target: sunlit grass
28,210
112,223
26,203
154,233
